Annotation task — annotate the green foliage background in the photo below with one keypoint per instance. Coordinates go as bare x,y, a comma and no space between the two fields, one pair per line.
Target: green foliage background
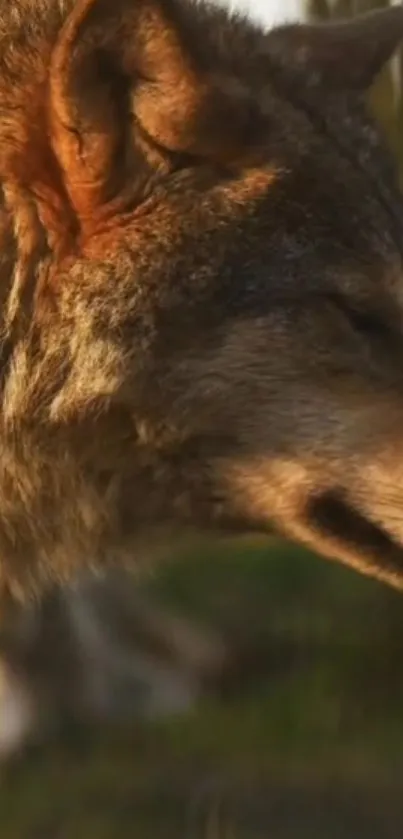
310,745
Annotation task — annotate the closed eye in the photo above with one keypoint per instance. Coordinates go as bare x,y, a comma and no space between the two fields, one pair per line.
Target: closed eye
364,321
6,349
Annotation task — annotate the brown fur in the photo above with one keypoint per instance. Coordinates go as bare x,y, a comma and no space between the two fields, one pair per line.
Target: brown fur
201,286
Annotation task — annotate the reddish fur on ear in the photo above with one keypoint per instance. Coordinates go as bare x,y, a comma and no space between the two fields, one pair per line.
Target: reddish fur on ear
122,59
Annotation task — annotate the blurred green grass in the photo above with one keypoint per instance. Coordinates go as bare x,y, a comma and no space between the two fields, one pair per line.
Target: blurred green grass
321,714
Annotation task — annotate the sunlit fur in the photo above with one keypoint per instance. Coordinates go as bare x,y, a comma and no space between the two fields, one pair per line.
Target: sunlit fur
200,284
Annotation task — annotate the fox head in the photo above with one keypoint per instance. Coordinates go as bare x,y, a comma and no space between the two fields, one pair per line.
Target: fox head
201,287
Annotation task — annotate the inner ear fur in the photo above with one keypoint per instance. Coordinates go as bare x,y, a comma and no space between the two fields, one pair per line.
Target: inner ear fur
123,61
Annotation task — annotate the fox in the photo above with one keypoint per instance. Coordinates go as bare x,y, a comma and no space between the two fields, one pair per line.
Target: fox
201,245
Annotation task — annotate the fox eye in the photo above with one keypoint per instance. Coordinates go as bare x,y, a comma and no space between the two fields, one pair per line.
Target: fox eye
363,320
368,323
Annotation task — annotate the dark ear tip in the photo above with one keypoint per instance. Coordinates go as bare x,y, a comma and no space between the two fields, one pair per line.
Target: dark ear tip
346,53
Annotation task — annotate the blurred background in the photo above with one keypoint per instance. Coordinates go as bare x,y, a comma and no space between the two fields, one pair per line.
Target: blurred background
248,691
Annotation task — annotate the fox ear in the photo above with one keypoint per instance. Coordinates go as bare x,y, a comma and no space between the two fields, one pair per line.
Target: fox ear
133,68
345,54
